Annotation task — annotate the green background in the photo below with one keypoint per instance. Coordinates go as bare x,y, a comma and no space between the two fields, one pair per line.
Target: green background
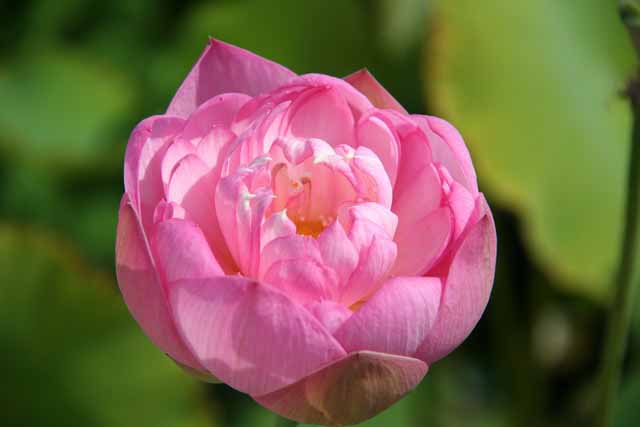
532,85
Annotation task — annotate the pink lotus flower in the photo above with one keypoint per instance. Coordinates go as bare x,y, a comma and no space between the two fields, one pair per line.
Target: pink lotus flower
302,238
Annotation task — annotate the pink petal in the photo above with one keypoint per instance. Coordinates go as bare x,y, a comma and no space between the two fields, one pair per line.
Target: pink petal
277,225
192,186
349,391
396,318
376,259
338,251
356,100
462,204
249,336
240,213
142,291
215,147
150,189
182,252
416,155
419,196
330,313
218,111
448,149
422,243
373,212
452,137
364,81
176,152
137,140
223,68
372,132
466,291
373,177
324,114
304,279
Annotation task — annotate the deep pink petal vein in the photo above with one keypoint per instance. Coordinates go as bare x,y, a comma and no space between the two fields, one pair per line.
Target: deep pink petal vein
302,239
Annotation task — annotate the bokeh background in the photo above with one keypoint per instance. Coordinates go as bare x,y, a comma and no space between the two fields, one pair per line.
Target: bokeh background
533,86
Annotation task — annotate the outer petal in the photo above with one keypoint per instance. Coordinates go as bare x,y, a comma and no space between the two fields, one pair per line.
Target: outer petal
364,81
448,149
248,335
396,318
466,290
149,189
370,383
452,137
223,68
142,290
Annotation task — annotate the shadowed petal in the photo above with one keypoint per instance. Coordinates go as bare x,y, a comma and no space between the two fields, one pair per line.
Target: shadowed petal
349,391
364,81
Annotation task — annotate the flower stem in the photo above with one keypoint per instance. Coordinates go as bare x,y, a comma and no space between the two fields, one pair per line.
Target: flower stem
285,422
622,304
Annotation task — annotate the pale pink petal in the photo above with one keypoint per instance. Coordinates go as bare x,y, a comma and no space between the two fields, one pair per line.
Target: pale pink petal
277,225
192,186
422,243
223,68
324,114
337,251
330,313
141,288
249,336
466,290
364,81
182,252
395,319
372,132
349,391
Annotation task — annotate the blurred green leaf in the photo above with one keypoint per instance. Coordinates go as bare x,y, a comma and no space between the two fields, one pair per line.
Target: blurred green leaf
60,108
300,35
626,411
533,86
72,354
